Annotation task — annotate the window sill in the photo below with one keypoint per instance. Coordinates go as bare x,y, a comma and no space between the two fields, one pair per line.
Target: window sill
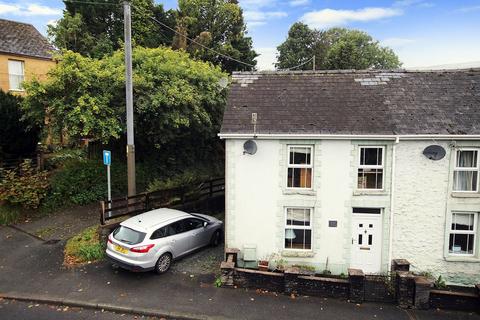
465,195
298,253
370,193
462,259
301,192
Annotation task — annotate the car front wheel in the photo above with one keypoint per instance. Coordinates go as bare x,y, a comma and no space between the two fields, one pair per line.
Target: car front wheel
163,263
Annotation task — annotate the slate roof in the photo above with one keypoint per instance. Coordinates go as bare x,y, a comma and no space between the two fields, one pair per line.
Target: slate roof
23,39
355,102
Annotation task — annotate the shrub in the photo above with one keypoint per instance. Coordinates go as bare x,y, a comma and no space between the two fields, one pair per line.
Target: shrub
76,183
187,178
64,155
25,186
17,137
84,247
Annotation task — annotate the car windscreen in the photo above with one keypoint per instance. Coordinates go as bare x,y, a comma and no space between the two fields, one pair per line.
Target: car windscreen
128,236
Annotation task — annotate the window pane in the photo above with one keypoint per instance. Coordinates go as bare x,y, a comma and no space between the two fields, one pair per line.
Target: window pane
371,156
15,82
465,180
298,217
299,178
298,239
128,235
462,221
300,155
370,178
461,243
15,67
467,159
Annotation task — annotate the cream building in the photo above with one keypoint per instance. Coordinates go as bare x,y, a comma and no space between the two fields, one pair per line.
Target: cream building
355,168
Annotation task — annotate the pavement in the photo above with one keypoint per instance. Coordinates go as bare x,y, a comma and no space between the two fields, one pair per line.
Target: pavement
62,224
12,309
32,270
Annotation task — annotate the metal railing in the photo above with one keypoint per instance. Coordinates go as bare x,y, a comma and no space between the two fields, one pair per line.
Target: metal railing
199,196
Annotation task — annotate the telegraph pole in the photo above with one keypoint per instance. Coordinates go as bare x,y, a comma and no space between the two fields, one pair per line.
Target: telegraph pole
313,62
129,98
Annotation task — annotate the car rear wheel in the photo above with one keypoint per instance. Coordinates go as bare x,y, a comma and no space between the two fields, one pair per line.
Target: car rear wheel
163,263
216,238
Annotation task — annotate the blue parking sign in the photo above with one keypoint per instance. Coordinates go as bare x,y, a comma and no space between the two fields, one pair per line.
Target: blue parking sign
107,157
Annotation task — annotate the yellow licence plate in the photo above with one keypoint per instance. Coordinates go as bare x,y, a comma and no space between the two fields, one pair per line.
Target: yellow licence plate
120,249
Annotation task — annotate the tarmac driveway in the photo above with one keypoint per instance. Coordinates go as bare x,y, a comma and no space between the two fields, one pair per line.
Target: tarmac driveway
30,268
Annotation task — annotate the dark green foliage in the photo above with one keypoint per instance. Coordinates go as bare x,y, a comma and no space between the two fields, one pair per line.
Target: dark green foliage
96,30
217,24
82,182
17,137
336,48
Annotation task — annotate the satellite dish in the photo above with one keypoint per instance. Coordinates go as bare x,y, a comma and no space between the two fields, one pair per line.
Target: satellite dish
249,147
434,152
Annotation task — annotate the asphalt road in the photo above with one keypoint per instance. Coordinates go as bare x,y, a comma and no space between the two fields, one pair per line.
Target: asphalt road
18,310
33,269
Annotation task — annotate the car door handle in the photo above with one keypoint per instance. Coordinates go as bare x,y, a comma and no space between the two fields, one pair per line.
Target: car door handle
172,241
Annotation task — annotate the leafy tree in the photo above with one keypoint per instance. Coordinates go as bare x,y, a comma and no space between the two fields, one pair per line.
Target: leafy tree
298,48
95,30
336,48
78,98
217,24
177,101
17,137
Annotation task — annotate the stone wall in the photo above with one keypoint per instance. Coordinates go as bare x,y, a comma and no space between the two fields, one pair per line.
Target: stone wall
408,291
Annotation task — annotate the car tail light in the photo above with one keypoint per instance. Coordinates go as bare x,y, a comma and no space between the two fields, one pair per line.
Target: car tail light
109,240
142,249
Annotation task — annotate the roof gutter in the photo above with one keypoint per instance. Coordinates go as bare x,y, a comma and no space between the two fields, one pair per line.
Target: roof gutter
348,136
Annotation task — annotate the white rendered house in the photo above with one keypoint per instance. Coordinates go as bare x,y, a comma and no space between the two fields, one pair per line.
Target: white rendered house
351,169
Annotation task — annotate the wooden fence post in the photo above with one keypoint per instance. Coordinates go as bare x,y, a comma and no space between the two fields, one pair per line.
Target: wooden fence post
102,212
147,201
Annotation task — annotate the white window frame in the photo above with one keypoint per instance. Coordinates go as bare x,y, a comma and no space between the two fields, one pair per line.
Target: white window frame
293,166
472,232
286,226
455,168
22,63
360,166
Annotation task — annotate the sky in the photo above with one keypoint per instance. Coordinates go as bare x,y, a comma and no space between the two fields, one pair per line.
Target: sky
423,33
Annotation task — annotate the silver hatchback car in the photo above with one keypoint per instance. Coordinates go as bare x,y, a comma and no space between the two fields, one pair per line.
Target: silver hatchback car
152,240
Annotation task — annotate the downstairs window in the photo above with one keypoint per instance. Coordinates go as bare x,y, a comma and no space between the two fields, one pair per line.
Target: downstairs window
298,229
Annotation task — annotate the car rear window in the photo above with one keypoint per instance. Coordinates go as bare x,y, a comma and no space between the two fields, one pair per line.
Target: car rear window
128,236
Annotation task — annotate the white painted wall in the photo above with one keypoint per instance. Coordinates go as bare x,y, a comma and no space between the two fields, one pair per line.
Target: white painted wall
256,198
423,201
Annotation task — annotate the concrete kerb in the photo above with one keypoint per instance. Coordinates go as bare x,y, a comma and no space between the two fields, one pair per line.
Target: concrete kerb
106,307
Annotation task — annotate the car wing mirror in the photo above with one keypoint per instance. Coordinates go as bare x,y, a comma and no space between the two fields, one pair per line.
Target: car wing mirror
205,224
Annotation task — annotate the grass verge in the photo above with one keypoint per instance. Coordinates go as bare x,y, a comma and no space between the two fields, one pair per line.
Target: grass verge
9,214
85,247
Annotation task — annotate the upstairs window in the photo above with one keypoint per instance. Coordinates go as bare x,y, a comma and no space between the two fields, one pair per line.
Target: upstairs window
463,233
16,74
370,168
465,172
300,166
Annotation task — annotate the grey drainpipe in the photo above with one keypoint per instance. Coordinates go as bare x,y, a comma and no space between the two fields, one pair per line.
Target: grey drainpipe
392,199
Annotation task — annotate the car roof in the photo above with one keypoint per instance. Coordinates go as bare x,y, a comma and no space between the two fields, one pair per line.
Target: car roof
147,221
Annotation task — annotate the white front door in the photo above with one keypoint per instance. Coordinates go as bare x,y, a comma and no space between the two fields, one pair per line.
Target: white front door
366,242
